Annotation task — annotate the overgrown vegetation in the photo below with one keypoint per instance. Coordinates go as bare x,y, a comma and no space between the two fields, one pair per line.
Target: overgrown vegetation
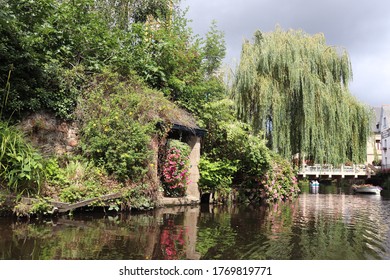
235,155
112,134
232,140
114,68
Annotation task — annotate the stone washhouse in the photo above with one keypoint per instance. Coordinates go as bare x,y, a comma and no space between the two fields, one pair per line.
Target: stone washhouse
192,135
57,137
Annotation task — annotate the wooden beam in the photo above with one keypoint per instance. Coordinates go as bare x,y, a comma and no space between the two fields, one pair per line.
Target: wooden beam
88,202
63,207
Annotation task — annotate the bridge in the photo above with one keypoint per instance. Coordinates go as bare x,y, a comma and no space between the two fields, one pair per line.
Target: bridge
343,171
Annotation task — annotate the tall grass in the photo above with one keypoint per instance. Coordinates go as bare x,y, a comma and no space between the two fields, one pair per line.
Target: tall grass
4,99
21,167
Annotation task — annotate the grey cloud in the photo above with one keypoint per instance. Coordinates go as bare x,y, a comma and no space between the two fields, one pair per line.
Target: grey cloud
362,27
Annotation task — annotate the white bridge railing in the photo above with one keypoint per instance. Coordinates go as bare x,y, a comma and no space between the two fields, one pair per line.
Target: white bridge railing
343,170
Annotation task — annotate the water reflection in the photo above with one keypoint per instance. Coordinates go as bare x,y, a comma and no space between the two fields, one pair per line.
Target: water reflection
314,189
315,226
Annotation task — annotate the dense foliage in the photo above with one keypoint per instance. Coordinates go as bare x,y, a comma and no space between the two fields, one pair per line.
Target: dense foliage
279,182
294,87
235,155
97,61
111,135
233,140
44,40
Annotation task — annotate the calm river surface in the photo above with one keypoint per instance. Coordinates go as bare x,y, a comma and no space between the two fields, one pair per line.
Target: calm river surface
332,224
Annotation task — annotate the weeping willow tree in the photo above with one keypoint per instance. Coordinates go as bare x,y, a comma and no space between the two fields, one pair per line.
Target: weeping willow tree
294,87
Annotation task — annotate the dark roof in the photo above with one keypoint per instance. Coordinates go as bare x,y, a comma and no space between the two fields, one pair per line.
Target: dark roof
195,131
385,113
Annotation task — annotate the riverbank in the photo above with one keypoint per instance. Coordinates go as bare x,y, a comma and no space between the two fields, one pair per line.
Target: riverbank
26,206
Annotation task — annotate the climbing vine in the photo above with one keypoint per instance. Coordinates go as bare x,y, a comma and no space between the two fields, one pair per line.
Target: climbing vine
176,169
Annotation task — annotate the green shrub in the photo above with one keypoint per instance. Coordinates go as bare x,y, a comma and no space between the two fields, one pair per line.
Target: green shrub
138,197
184,148
279,182
230,143
235,155
216,176
79,179
41,207
75,193
55,175
112,136
119,146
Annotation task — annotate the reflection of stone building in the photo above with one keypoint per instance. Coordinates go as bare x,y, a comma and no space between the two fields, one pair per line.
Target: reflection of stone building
385,135
183,232
374,152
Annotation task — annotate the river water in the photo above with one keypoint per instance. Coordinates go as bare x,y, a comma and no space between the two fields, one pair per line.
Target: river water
333,224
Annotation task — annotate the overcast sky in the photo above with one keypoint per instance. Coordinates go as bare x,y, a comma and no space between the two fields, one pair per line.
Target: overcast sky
362,27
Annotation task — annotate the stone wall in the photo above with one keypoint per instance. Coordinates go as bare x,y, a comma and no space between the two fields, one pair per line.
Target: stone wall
193,188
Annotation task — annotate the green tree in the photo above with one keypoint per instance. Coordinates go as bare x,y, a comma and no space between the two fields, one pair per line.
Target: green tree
214,49
230,148
27,77
207,84
49,46
123,13
294,87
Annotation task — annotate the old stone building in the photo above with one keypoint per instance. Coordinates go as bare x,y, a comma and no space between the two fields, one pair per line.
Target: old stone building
374,149
55,137
385,135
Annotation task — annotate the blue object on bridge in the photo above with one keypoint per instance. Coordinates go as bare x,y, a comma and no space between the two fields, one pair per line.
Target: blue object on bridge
314,184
